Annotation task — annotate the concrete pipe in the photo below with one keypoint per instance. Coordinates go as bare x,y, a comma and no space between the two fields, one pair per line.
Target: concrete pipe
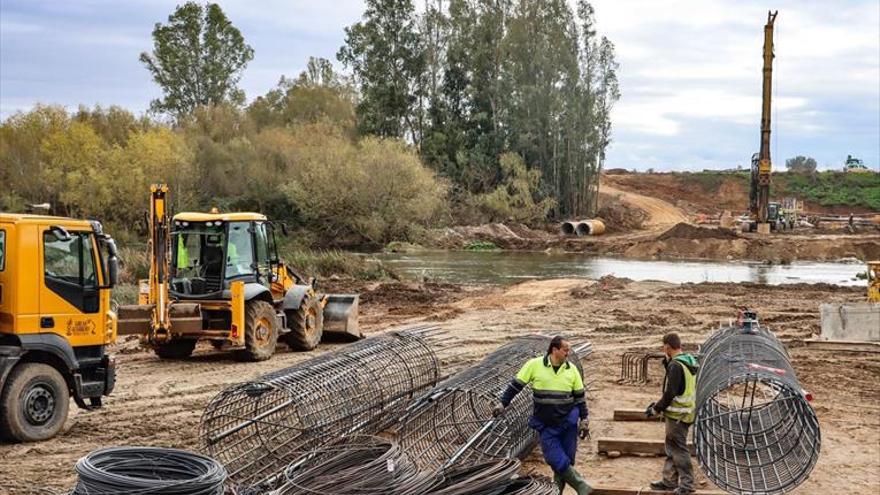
590,227
582,227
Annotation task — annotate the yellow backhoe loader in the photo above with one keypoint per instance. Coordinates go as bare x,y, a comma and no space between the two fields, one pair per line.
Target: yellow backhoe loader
56,275
217,276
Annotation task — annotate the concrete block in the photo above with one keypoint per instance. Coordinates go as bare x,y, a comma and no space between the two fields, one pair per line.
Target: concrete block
851,322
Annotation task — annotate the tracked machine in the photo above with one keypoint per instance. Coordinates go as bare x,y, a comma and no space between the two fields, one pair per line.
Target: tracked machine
761,216
218,277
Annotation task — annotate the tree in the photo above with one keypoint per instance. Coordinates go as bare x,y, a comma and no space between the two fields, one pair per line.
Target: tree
387,60
318,94
801,165
197,59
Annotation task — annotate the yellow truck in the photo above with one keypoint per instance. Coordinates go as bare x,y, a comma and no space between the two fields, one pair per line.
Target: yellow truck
56,275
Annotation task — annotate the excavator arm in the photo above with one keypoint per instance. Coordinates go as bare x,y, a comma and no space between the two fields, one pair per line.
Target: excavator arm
154,318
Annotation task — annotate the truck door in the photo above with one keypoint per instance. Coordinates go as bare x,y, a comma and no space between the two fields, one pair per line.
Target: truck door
69,297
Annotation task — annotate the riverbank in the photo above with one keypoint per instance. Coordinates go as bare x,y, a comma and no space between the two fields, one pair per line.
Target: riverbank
616,315
678,241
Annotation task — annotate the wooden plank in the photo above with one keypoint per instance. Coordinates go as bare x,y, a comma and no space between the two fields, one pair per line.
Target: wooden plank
842,345
603,490
634,415
631,446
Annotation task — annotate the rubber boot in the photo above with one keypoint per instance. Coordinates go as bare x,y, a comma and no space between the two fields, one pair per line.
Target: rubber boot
559,481
575,481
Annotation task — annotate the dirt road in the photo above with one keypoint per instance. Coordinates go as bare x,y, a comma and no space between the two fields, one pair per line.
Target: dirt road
660,212
160,402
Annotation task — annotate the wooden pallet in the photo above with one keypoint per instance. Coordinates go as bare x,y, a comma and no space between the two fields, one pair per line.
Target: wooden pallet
629,446
634,415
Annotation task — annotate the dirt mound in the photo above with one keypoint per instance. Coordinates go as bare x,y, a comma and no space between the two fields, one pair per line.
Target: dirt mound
604,286
688,231
619,217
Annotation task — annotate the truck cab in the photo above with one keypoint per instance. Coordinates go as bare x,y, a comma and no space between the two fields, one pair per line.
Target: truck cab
56,322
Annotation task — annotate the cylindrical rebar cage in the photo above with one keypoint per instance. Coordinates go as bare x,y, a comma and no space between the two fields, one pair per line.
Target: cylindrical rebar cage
257,428
755,431
453,423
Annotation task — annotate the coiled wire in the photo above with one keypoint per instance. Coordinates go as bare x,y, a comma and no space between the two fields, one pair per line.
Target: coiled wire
368,465
148,470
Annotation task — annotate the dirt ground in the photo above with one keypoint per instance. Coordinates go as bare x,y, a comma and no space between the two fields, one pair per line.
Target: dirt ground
160,402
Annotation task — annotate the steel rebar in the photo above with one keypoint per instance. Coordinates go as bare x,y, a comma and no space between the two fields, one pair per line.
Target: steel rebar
453,423
256,429
368,465
755,431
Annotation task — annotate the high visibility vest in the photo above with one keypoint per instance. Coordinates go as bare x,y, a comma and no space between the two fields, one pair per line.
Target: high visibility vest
182,254
683,406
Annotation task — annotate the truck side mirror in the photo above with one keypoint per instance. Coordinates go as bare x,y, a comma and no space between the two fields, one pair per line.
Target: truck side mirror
112,270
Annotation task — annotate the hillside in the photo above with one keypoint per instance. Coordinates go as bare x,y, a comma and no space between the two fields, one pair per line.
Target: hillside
712,192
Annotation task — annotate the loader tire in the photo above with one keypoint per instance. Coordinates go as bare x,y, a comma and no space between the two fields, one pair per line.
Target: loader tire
176,349
34,403
306,325
260,333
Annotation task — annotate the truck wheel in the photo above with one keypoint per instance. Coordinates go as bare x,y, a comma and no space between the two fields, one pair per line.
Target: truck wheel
176,349
306,325
34,403
260,334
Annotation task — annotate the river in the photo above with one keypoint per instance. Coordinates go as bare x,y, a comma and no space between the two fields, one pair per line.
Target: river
504,267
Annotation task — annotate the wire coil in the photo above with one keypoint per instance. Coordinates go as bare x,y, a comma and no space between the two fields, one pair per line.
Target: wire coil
148,470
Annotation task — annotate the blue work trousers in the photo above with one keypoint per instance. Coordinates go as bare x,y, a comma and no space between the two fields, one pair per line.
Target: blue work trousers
558,442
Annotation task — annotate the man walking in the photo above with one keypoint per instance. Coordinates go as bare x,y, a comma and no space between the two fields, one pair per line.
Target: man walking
560,410
677,406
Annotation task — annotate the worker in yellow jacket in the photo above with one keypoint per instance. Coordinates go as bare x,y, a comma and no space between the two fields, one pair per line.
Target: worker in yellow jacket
560,410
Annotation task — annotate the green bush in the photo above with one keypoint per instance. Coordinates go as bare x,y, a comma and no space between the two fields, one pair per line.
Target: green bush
480,246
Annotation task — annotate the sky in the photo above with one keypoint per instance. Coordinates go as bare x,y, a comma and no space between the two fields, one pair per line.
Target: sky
690,71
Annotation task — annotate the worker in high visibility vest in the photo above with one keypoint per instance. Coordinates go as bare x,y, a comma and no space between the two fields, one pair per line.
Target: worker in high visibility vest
560,410
677,405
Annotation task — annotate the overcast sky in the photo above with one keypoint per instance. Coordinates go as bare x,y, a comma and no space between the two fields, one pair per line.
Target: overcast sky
690,71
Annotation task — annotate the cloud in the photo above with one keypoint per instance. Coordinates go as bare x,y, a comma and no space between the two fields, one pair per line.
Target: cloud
690,71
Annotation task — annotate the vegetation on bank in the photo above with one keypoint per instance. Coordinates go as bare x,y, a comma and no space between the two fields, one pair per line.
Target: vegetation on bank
828,188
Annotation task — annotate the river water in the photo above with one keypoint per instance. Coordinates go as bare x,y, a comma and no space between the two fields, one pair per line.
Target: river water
504,267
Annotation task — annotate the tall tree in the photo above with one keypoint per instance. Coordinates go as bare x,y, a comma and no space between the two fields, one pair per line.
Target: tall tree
387,59
197,59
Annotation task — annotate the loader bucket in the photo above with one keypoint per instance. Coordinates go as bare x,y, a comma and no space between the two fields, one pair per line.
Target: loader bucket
138,319
134,319
341,315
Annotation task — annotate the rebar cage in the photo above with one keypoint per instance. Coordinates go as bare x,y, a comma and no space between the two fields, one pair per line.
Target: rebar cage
755,431
453,422
256,429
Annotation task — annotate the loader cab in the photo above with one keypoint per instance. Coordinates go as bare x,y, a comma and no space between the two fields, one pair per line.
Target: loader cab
210,251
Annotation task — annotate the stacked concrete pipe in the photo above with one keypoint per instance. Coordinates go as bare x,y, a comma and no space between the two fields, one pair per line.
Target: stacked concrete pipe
582,228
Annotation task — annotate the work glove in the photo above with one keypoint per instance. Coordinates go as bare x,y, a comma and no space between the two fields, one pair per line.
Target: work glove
498,410
584,429
649,411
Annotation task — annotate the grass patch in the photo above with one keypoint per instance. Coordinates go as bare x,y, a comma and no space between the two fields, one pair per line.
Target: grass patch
480,246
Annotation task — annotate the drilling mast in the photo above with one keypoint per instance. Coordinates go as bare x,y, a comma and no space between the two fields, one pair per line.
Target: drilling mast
759,191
